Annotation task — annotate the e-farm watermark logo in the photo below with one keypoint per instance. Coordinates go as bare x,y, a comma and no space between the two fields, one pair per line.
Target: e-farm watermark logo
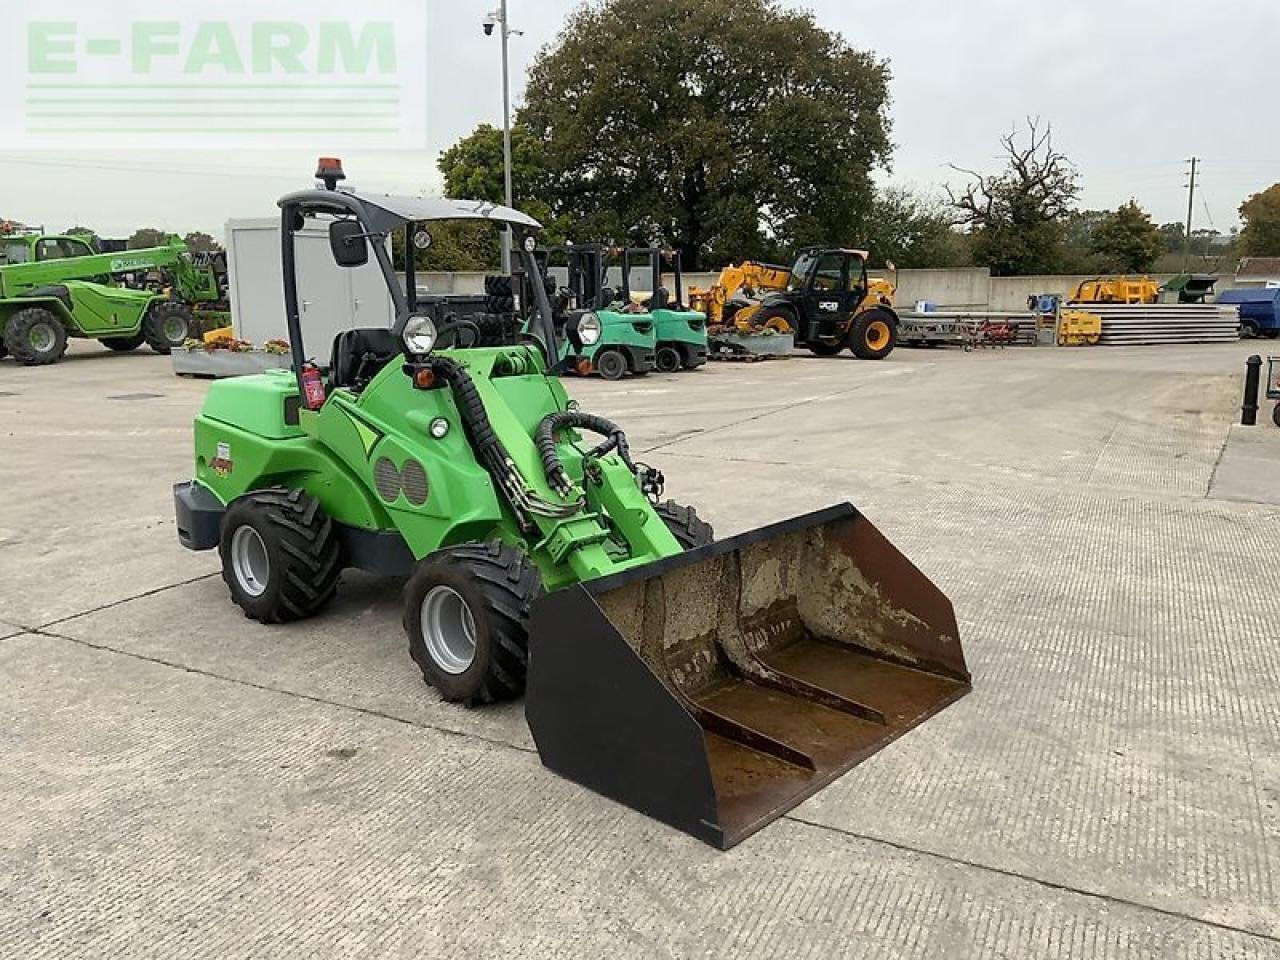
141,73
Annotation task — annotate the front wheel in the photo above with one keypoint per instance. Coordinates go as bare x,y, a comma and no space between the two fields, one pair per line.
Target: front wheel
669,360
168,326
465,611
1248,330
874,335
689,529
1275,415
611,364
280,555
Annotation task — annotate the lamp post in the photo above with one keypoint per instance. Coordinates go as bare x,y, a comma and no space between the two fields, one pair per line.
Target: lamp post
498,19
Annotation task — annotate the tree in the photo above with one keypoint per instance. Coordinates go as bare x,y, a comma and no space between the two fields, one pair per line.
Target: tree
1017,216
1261,215
723,127
200,242
1127,240
456,245
89,234
912,231
147,237
1078,230
473,169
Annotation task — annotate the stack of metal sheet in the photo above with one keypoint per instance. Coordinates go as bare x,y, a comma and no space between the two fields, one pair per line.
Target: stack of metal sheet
1140,324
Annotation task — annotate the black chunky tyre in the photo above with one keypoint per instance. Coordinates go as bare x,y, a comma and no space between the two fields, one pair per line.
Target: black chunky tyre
874,335
825,349
1275,415
35,336
669,360
124,344
167,326
280,553
689,529
466,611
610,364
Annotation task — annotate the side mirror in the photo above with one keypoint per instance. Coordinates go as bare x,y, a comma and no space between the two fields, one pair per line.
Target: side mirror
348,243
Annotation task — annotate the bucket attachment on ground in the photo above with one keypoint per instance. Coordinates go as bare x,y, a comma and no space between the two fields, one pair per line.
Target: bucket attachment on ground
717,690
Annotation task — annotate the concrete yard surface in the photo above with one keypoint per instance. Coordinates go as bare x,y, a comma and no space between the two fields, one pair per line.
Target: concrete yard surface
178,781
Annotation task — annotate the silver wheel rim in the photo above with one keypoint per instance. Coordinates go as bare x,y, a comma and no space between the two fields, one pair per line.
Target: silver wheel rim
42,338
175,329
448,630
249,561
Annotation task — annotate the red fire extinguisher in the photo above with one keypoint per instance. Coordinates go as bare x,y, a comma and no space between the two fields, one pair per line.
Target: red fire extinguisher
313,387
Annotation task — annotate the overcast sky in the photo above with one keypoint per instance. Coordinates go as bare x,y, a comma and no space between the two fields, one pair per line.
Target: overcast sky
1133,88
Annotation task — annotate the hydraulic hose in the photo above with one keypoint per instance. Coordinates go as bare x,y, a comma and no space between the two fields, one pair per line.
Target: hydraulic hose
489,450
550,427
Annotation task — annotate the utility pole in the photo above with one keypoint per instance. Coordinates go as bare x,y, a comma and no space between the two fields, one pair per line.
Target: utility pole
1191,200
499,19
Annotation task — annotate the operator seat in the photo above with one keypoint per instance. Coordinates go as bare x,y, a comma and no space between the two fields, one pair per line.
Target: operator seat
360,355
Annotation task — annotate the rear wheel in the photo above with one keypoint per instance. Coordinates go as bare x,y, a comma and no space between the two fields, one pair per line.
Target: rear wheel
669,360
280,555
1275,415
35,337
610,364
874,335
1248,329
685,525
465,611
124,344
168,326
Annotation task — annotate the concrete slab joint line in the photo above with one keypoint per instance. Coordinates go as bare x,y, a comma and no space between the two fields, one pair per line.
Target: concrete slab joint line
277,690
1039,881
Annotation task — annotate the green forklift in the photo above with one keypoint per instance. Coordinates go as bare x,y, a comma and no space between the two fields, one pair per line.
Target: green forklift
681,333
710,684
617,337
54,288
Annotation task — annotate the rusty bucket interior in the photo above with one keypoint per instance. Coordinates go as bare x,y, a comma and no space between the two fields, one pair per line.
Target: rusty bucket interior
717,690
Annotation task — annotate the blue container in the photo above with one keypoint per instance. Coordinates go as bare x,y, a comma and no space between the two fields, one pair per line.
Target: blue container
1259,309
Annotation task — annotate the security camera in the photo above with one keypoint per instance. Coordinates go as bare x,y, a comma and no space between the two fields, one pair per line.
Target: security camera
488,28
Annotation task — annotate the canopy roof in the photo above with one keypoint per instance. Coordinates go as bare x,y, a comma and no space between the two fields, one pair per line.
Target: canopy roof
410,209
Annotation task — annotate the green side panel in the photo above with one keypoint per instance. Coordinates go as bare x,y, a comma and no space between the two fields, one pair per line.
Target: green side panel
257,404
99,310
377,434
680,326
625,330
244,442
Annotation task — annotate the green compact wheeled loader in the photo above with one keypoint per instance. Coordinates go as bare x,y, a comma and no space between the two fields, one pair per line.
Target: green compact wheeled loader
711,685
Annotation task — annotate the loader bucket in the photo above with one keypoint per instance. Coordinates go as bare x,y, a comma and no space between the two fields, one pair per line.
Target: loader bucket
717,690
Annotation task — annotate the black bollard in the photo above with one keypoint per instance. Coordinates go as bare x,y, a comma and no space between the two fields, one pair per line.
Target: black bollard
1252,380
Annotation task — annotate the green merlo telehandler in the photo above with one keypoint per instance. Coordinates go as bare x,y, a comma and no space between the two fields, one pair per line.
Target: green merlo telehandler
53,288
711,685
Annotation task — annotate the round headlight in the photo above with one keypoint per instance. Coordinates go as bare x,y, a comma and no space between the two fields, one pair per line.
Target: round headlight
590,329
420,335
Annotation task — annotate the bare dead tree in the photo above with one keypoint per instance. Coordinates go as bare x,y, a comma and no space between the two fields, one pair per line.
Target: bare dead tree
1039,183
